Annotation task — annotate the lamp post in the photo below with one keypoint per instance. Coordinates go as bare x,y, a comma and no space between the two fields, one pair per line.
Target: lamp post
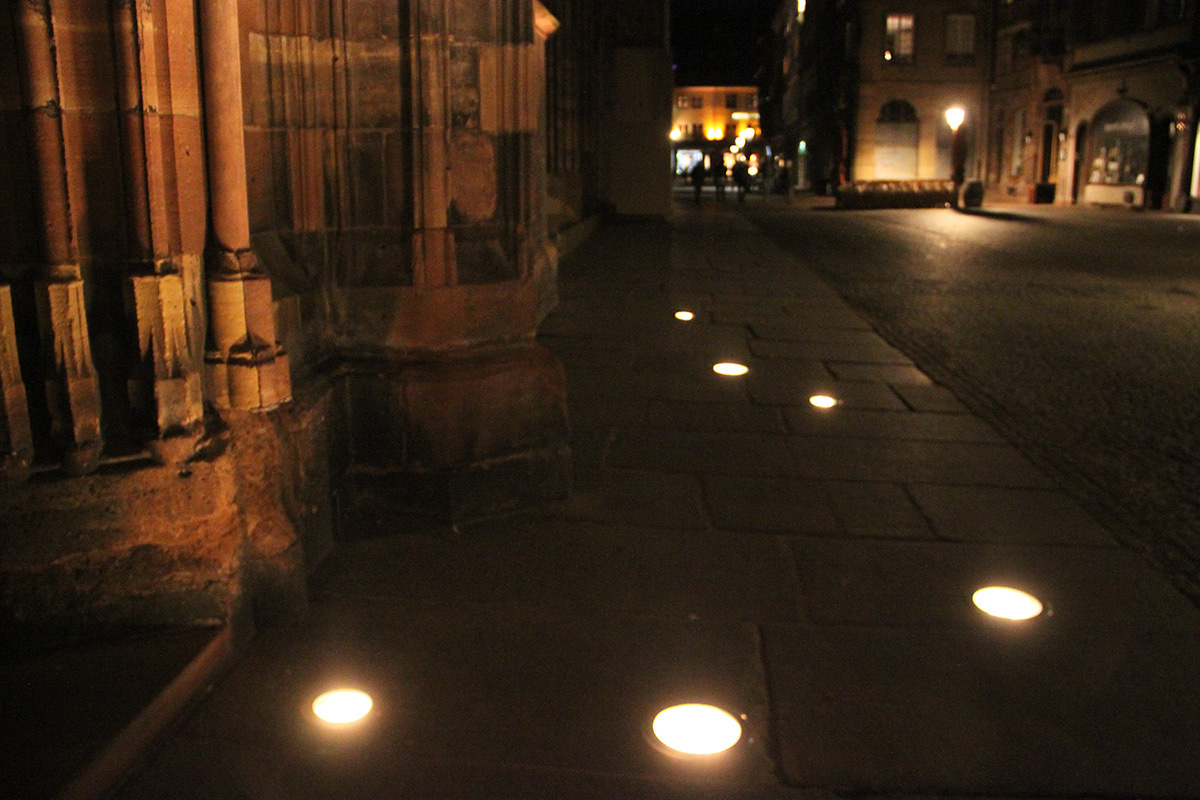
958,152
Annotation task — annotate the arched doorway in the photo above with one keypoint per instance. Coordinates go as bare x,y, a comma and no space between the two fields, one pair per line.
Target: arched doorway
1118,155
896,139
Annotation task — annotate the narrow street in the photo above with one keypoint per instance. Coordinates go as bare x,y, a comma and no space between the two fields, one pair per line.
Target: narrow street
1073,331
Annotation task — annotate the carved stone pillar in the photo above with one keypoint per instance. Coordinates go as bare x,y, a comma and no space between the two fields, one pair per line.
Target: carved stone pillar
72,391
16,440
454,405
165,390
245,368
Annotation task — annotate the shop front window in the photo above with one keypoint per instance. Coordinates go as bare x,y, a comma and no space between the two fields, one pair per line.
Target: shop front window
1120,145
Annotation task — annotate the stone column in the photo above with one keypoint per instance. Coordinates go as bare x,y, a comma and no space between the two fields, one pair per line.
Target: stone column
72,390
245,368
453,405
166,386
16,439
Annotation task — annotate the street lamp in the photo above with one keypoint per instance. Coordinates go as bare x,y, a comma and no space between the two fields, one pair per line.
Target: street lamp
958,153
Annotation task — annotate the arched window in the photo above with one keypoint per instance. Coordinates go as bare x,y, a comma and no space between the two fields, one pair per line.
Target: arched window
1120,144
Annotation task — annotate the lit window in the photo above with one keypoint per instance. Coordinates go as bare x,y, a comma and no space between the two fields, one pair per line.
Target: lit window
960,38
898,45
682,101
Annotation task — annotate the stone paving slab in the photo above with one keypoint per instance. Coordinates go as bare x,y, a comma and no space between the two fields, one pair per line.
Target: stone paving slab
632,497
785,388
779,505
801,330
700,452
899,461
708,416
877,510
849,422
462,693
1008,516
586,566
934,399
975,711
891,373
928,585
867,352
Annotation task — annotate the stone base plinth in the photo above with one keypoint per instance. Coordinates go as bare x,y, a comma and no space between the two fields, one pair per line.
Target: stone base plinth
460,437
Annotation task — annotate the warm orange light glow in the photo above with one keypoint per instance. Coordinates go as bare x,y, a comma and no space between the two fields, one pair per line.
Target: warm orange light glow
1007,603
342,706
955,117
686,316
676,134
823,401
696,729
714,133
730,368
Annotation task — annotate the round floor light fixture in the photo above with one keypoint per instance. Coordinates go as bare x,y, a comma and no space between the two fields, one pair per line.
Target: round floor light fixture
342,706
1007,603
696,729
685,316
730,368
823,401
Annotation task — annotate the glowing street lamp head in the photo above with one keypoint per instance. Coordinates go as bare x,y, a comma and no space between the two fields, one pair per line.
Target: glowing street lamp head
955,117
714,133
676,134
695,729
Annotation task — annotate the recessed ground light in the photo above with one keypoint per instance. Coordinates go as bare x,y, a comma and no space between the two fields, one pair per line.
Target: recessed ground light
1007,603
686,316
730,368
341,706
697,730
823,401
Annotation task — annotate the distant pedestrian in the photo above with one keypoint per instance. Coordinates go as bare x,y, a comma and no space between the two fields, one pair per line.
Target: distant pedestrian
718,171
741,178
697,175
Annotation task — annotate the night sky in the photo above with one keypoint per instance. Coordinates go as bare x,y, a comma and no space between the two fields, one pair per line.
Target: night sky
716,42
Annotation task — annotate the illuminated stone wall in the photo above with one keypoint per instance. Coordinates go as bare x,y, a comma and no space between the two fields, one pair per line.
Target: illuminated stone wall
220,321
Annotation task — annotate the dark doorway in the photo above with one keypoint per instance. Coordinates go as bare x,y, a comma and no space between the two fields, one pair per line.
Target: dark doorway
1158,161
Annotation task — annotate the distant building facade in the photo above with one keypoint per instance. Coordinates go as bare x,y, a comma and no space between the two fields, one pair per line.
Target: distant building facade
1088,101
707,120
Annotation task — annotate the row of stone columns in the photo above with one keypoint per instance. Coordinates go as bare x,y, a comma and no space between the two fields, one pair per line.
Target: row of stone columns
243,366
